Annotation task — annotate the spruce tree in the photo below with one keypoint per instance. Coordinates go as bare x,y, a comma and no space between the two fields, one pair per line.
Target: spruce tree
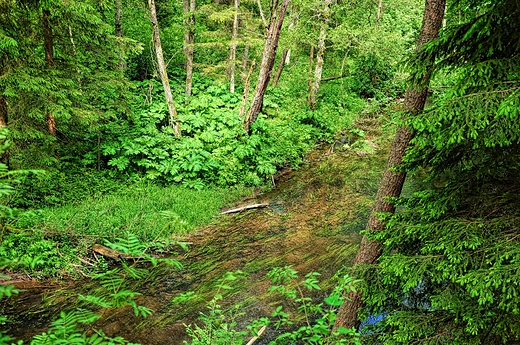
451,260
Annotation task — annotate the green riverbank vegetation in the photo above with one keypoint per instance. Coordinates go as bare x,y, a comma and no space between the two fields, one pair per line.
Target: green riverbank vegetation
126,126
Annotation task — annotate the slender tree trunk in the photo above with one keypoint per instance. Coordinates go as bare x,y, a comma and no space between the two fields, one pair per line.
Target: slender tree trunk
117,18
98,150
246,91
3,112
379,11
3,124
47,38
319,56
162,70
75,55
189,40
280,67
287,60
264,21
233,49
266,68
245,61
119,32
392,181
48,41
309,82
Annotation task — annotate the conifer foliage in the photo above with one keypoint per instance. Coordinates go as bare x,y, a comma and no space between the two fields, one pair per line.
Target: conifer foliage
449,271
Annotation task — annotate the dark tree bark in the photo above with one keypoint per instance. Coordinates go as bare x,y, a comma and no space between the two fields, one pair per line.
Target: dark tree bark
266,68
189,40
392,181
174,122
281,65
48,42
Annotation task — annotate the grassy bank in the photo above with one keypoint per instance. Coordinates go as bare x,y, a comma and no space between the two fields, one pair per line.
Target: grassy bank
54,241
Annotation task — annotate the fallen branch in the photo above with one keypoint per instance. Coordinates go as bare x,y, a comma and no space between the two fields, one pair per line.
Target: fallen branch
257,336
111,253
334,78
244,208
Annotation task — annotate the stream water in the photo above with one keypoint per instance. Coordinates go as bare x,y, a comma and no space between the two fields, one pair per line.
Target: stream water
312,223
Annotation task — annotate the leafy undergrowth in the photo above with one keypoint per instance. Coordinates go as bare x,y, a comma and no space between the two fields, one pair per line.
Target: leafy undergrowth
214,148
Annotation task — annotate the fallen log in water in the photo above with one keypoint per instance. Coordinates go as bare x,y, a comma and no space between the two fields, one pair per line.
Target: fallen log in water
244,208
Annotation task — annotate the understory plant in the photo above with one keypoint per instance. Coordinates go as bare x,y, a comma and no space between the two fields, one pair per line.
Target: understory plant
214,148
312,322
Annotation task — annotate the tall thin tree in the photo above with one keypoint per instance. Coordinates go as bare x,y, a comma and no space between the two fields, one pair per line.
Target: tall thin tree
189,7
174,122
266,67
233,48
316,80
393,180
4,158
48,41
379,12
119,31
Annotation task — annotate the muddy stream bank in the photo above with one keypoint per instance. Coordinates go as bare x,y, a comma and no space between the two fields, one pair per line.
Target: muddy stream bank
312,223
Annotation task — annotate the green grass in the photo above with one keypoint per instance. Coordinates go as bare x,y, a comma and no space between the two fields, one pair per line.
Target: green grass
143,209
58,235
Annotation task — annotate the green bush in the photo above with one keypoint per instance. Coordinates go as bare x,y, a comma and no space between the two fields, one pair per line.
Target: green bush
373,77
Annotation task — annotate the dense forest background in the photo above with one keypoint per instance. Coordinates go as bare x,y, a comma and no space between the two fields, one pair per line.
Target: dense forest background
191,105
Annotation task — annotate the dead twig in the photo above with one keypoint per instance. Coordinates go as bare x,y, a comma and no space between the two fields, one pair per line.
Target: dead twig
257,336
244,208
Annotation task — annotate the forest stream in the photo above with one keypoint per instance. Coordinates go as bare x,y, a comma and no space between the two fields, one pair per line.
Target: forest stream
312,222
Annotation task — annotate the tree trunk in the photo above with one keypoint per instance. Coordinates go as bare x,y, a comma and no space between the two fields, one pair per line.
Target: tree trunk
264,21
189,40
280,67
266,68
309,82
319,56
47,38
294,20
392,181
245,61
3,124
162,70
119,32
246,91
48,42
233,49
379,11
